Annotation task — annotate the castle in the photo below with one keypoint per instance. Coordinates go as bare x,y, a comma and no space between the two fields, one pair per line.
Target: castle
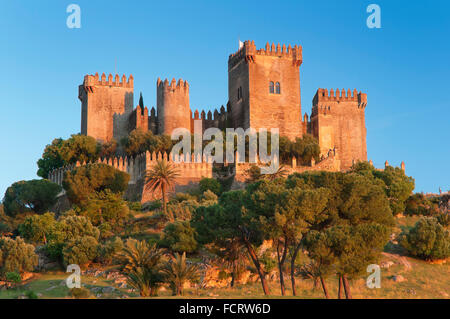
263,92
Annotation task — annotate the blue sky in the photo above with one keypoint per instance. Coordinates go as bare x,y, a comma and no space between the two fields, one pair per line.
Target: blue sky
404,67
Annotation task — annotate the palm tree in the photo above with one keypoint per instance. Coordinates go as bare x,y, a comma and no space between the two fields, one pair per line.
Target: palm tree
178,271
162,176
142,266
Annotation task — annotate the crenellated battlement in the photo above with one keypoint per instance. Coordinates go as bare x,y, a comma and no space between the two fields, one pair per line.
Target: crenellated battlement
173,86
90,81
322,95
248,52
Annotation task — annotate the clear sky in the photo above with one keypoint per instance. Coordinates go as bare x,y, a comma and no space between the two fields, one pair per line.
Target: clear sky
404,67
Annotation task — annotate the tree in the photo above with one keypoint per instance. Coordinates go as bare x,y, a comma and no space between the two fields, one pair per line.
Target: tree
229,221
16,256
178,271
210,184
107,149
30,196
138,142
161,176
141,101
37,228
427,240
83,181
397,186
142,265
61,152
106,207
320,251
80,250
179,237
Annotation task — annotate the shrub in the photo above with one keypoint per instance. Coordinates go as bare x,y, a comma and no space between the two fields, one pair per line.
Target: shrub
106,207
30,196
109,250
210,184
16,255
427,240
179,237
31,294
418,204
80,251
79,293
37,228
84,181
13,277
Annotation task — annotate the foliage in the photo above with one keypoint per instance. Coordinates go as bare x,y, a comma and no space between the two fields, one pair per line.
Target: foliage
80,293
13,277
109,250
80,250
138,142
83,181
107,149
31,294
397,185
427,240
106,207
142,263
210,184
418,204
161,176
69,229
63,152
16,255
179,237
30,196
303,148
37,228
178,271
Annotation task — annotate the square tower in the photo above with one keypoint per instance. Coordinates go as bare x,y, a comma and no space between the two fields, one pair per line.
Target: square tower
264,88
105,106
338,122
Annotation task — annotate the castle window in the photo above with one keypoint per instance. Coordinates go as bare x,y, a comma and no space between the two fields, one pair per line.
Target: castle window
277,88
271,87
239,95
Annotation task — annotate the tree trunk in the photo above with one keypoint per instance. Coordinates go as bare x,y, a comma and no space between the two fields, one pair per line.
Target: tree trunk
324,287
340,287
348,294
294,256
232,279
280,265
255,260
163,193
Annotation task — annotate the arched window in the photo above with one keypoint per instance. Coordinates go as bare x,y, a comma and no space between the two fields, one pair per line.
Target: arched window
271,88
277,88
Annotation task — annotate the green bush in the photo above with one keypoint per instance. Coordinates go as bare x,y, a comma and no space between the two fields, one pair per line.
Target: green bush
179,237
16,256
37,228
80,251
427,240
210,184
84,181
418,204
13,277
109,250
31,295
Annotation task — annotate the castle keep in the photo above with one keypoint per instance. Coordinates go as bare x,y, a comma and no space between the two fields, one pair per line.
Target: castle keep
263,92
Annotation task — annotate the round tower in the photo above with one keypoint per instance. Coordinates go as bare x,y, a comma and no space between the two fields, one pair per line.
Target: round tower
173,109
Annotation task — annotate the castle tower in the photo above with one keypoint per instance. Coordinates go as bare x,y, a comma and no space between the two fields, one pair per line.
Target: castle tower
264,88
103,101
338,121
172,104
